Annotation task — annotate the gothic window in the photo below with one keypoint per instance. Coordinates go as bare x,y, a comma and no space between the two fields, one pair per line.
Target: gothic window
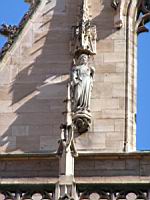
143,98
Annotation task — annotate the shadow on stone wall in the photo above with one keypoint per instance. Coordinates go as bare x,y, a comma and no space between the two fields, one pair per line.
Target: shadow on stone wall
104,21
39,87
103,18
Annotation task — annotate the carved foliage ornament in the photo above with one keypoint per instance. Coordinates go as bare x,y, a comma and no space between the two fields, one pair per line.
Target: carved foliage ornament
12,31
143,16
8,30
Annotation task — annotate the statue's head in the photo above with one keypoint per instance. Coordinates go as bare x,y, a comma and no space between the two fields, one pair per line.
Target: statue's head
83,59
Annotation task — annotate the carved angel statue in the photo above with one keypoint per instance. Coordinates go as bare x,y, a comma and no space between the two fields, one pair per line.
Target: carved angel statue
82,82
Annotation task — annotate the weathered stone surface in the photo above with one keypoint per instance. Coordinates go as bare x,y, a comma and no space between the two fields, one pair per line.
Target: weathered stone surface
29,168
35,72
92,141
114,165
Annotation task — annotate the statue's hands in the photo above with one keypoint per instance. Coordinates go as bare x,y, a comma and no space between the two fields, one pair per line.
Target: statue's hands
74,82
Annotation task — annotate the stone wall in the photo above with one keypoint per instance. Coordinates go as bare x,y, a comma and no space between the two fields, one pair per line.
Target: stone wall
115,168
29,168
89,169
107,132
33,79
34,74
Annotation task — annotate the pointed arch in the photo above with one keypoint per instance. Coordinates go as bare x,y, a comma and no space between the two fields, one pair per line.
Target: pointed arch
137,15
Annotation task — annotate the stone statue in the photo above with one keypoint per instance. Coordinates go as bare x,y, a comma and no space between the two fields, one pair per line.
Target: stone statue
83,46
82,82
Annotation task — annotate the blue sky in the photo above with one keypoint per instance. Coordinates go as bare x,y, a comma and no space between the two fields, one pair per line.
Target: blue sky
143,92
11,12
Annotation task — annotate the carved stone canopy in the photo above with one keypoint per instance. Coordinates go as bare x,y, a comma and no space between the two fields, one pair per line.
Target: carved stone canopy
84,34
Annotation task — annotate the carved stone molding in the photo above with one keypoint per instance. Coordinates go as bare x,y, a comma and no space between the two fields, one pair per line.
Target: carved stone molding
86,192
26,192
112,192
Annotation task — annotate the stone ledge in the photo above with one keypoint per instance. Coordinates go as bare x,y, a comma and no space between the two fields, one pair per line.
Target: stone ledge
28,156
111,155
113,180
28,181
78,180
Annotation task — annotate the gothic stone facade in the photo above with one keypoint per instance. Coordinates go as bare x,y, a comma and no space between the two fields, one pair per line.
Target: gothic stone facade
34,73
